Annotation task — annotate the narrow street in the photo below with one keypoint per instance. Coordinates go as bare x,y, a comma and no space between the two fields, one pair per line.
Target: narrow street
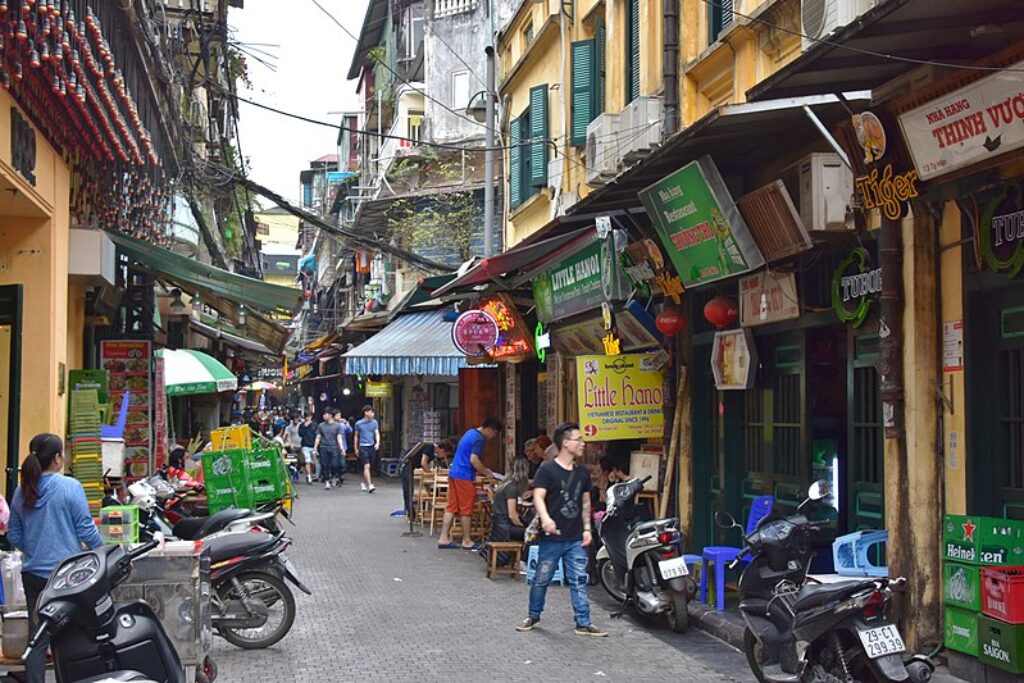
389,608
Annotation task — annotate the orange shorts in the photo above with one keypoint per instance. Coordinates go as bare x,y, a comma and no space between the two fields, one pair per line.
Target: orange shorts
461,496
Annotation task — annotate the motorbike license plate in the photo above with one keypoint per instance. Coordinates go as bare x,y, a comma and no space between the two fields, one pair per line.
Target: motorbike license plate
881,641
674,568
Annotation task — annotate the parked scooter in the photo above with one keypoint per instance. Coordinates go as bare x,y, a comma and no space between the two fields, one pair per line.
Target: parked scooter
640,563
147,496
252,605
804,632
92,638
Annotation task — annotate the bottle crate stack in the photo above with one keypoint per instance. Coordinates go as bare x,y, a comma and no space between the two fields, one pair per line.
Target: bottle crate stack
85,446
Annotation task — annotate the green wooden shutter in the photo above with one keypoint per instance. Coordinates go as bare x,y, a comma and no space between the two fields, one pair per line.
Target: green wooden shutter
515,172
719,18
633,55
599,67
525,188
539,134
583,90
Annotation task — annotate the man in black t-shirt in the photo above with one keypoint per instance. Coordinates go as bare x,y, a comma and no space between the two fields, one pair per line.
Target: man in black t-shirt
561,495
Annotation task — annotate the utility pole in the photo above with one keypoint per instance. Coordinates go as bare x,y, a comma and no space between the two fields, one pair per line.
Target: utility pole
489,155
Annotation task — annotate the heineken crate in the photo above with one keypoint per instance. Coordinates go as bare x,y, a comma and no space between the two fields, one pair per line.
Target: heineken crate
960,539
961,586
1000,541
962,631
1001,645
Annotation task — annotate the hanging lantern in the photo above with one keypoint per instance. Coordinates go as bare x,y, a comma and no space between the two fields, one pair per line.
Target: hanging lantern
670,322
721,312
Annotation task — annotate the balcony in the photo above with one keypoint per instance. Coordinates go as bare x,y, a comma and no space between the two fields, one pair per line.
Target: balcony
448,8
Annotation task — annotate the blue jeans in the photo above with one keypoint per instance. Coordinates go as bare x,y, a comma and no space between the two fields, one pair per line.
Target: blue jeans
574,559
330,464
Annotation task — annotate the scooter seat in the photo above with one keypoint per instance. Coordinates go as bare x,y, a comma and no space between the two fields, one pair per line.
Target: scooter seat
116,676
188,528
813,595
220,521
233,545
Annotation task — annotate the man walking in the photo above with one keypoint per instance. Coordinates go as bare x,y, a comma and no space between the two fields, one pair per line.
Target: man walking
461,481
561,495
330,445
307,436
367,444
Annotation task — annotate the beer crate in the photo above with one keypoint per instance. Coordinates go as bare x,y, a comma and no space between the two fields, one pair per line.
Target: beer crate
962,631
1000,644
1002,590
961,586
1000,541
960,539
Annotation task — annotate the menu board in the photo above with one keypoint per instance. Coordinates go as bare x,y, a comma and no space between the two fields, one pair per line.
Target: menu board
127,363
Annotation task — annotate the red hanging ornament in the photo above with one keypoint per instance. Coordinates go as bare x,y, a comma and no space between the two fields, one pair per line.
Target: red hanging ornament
721,312
670,322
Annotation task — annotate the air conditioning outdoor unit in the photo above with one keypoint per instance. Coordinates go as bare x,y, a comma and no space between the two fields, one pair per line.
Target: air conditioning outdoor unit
602,148
640,128
822,17
556,167
821,187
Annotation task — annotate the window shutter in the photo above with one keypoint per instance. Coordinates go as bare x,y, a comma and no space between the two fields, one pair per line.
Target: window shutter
599,67
515,197
525,155
719,18
539,133
633,58
583,90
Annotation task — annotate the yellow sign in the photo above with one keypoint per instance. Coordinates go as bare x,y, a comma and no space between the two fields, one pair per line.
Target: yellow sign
378,390
620,397
612,345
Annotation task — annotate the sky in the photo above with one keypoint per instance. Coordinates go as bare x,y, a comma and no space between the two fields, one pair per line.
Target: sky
311,56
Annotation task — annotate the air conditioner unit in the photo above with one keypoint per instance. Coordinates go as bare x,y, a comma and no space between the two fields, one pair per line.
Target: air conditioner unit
821,187
556,167
602,148
822,17
640,128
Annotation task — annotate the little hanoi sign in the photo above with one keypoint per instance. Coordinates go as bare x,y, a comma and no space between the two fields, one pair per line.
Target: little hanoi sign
580,282
854,285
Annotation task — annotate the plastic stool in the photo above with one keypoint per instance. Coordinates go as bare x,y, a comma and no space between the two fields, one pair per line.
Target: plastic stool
719,556
531,567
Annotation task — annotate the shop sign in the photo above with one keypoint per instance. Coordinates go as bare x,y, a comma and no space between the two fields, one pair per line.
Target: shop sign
969,125
734,359
642,263
541,341
475,333
620,397
580,282
854,286
159,413
768,297
881,186
378,389
1002,231
514,343
634,327
699,225
23,147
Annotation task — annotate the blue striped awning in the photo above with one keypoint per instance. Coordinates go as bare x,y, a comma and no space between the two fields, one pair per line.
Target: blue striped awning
412,344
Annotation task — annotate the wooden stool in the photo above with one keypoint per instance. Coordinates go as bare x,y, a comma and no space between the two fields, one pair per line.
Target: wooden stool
495,547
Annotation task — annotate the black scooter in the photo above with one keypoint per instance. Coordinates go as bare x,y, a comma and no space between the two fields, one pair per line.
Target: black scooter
803,632
94,639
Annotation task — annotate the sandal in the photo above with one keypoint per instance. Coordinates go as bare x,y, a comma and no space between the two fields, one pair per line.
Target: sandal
447,546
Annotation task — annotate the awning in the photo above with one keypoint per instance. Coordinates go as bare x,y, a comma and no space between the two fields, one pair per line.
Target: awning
893,38
739,137
188,372
582,335
413,344
518,258
229,338
221,283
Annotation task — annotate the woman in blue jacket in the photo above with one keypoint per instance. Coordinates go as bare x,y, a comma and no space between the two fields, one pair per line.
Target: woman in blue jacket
50,521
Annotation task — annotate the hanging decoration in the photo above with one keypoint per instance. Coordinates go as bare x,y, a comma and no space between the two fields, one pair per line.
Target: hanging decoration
722,312
74,78
670,322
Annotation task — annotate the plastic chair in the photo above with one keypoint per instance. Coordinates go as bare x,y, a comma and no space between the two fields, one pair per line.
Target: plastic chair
719,556
116,431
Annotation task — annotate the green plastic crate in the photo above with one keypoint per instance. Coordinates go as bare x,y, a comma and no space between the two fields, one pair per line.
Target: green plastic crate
961,586
1000,644
962,631
960,539
1000,541
119,524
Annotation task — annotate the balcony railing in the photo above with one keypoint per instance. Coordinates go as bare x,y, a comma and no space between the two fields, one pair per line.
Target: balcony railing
447,8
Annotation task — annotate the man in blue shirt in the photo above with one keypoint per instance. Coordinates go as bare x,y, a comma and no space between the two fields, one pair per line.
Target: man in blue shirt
461,481
367,443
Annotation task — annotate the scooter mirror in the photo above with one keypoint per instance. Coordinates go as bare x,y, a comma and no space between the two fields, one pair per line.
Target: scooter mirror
819,490
724,520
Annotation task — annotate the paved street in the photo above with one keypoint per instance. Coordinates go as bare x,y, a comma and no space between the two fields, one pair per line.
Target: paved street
396,609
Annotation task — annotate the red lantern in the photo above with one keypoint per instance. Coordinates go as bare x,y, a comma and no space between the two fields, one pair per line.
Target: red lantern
670,322
721,312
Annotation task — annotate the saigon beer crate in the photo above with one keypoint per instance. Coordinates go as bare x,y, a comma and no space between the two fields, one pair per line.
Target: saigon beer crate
1000,644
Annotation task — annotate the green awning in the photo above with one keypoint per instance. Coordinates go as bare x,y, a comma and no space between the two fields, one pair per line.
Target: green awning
188,372
238,288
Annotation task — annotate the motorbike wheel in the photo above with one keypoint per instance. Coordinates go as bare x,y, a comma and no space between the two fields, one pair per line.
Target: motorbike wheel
677,616
752,648
273,592
606,572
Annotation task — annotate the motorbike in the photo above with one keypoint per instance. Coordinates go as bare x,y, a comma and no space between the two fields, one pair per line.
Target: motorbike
252,605
94,639
640,563
800,631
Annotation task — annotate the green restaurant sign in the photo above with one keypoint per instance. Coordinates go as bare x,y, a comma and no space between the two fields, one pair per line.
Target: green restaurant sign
703,232
581,281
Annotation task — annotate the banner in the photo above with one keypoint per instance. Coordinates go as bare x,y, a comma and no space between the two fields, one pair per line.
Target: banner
620,397
127,363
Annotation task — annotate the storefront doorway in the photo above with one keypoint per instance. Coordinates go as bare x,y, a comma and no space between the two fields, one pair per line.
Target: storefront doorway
10,383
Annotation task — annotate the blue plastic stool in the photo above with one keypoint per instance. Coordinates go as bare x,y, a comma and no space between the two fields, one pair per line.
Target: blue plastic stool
531,567
694,561
850,553
719,556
